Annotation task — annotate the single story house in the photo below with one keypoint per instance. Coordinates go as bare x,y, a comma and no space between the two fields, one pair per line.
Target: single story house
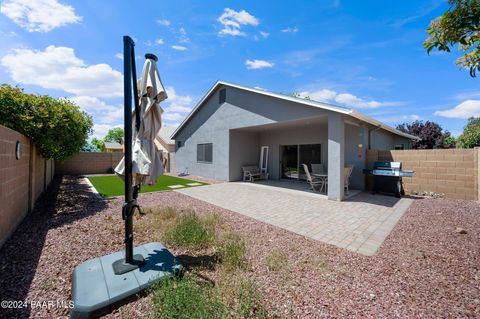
166,145
228,127
112,147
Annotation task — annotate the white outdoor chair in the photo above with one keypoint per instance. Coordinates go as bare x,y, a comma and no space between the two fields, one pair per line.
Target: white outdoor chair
312,181
318,168
347,172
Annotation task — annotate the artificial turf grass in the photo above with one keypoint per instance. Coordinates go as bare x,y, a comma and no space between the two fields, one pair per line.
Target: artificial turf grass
112,185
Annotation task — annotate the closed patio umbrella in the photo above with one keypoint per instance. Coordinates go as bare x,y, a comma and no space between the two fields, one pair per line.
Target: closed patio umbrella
147,163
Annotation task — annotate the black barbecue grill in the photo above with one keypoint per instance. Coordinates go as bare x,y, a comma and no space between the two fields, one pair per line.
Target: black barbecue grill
387,177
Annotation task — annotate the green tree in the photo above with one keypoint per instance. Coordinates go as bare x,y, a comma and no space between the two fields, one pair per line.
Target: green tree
90,147
98,143
460,24
58,127
471,134
450,141
114,135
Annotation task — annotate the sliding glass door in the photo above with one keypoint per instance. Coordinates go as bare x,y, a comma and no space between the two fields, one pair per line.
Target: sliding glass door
289,161
293,156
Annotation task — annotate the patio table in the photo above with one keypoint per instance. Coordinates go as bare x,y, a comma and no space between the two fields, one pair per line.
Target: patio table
323,177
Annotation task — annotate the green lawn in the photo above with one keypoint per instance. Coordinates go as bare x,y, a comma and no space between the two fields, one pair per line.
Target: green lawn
112,185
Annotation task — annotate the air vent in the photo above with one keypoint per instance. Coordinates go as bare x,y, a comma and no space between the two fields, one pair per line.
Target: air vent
222,96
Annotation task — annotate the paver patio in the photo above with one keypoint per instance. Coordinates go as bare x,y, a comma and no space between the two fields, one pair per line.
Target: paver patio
359,224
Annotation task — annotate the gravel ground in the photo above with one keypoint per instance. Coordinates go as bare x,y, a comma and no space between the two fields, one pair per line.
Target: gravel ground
423,269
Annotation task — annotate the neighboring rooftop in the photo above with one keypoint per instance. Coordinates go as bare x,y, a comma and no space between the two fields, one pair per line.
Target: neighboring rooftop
113,145
165,133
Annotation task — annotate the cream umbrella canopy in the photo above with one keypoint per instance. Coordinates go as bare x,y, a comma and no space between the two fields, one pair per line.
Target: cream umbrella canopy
147,163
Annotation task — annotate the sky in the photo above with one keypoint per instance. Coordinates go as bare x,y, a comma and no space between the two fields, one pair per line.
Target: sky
364,55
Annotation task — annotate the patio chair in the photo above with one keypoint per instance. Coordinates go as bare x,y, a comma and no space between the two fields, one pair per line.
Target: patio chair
318,168
252,172
312,181
347,172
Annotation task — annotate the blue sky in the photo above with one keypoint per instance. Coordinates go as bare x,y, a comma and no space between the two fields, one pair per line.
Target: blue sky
361,54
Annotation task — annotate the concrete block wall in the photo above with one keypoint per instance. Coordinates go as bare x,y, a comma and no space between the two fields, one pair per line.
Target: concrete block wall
85,163
453,172
21,180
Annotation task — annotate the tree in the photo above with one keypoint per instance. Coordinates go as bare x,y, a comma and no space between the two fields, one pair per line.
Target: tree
114,135
450,141
430,133
460,24
98,143
90,147
58,127
471,134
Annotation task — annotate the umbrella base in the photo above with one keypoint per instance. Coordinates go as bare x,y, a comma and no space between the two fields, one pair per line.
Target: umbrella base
97,290
120,266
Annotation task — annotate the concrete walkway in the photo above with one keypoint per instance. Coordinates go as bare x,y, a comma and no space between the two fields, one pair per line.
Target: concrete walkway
359,224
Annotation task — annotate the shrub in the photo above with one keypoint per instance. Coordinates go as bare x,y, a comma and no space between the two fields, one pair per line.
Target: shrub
190,231
58,127
276,260
232,251
186,299
250,301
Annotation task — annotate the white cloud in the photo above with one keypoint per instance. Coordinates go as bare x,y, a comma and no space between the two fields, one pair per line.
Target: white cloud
101,130
178,108
258,64
173,97
173,116
232,21
164,22
39,15
264,34
400,118
345,99
183,36
58,68
464,110
119,56
355,101
150,43
179,47
100,110
323,95
290,30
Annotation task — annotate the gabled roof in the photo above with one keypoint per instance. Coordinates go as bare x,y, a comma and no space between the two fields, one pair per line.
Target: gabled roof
113,145
165,133
321,105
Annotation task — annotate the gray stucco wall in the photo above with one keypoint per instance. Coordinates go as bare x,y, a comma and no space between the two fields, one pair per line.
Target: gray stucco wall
212,124
355,135
384,140
244,150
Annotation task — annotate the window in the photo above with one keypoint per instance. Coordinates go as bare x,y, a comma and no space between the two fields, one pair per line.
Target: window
399,146
204,153
222,96
179,144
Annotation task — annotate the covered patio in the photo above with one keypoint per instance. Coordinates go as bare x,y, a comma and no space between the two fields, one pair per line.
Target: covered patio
324,145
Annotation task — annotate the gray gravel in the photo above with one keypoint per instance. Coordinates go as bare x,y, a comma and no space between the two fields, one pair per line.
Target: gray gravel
424,268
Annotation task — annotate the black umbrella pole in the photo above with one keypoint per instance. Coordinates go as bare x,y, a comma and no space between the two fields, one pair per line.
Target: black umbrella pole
130,262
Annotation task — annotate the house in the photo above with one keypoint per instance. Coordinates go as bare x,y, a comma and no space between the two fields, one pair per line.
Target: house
112,147
167,146
228,127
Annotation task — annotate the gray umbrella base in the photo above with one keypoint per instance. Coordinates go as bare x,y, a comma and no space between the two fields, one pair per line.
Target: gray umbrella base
96,290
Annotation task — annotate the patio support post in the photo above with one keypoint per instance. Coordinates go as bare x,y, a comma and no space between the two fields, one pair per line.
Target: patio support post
336,156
